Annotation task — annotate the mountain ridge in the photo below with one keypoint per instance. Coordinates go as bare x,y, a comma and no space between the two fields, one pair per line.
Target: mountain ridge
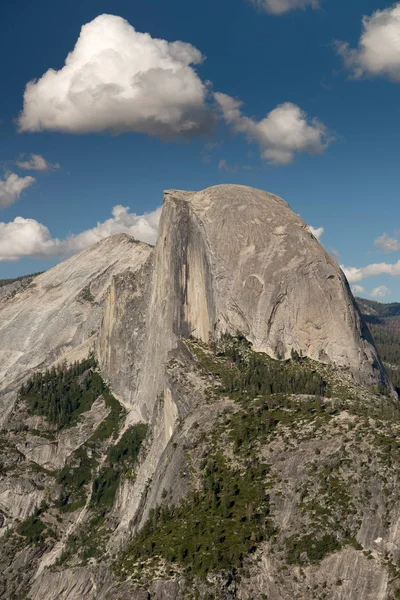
222,382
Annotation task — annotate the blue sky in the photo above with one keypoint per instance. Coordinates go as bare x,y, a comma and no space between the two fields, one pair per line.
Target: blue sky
330,145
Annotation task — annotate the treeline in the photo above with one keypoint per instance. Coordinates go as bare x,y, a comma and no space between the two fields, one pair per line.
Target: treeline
387,338
388,343
378,309
62,393
21,278
258,374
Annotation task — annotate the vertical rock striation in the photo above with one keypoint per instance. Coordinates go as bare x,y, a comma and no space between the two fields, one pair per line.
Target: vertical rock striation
234,259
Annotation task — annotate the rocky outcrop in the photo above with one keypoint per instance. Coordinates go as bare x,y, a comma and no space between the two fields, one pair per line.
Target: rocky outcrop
51,454
58,315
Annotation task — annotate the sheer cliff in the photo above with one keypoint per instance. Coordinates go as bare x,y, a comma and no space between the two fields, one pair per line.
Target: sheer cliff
208,418
231,258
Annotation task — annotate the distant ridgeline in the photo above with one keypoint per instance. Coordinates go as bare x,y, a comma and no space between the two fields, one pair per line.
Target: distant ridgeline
30,276
384,323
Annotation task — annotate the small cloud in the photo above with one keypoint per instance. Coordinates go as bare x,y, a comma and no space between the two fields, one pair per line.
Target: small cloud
378,50
23,238
11,187
279,7
380,292
223,165
36,162
325,84
355,274
317,232
212,145
387,243
208,149
357,289
285,131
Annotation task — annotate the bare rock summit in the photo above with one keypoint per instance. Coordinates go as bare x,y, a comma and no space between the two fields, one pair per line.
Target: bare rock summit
231,258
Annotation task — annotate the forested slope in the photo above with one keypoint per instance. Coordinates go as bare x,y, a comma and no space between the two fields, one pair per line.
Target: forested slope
384,323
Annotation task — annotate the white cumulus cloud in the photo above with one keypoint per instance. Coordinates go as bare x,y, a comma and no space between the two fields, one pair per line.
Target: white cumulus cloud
317,231
11,187
355,274
36,162
378,50
142,227
357,289
119,79
26,237
285,131
380,292
29,238
279,7
387,243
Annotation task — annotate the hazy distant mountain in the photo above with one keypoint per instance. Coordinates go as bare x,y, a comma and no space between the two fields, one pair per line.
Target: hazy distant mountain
371,308
384,322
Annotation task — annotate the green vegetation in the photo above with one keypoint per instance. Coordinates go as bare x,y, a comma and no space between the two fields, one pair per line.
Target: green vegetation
120,458
74,480
34,530
105,487
88,542
61,394
76,476
90,539
86,295
373,309
387,339
215,528
229,515
109,427
309,548
388,342
260,417
384,323
244,372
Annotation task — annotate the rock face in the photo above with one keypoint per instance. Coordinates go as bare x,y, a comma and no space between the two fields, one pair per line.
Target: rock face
229,260
250,264
58,315
124,329
232,258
